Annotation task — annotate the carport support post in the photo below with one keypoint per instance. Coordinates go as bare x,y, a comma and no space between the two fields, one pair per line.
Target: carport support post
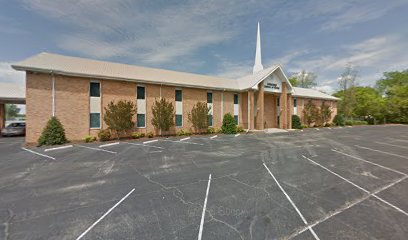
2,115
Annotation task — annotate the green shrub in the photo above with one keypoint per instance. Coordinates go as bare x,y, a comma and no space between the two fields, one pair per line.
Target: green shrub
142,135
89,139
188,133
228,124
211,130
104,135
348,123
180,133
356,122
327,124
150,134
296,123
218,130
338,120
163,115
304,126
240,129
119,116
137,135
53,133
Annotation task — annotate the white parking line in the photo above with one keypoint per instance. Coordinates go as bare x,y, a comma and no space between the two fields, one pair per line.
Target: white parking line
144,145
151,141
40,154
329,128
167,140
200,232
317,129
155,151
57,148
213,137
97,149
357,186
393,145
109,144
375,150
345,207
398,140
104,215
184,139
293,204
375,164
236,135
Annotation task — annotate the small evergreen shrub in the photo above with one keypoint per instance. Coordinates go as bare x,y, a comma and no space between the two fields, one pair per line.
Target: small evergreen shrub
89,139
198,117
228,124
218,130
188,133
348,123
137,135
338,120
296,123
211,130
304,126
180,133
150,134
104,135
53,133
240,129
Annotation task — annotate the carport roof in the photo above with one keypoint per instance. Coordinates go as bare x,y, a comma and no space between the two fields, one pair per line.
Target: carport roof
12,93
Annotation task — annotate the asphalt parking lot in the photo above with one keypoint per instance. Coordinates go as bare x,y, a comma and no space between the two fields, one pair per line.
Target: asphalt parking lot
338,183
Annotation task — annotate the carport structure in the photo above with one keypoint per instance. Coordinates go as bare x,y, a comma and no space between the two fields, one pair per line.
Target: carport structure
10,93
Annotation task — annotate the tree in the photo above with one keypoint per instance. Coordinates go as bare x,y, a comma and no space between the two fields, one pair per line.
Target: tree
198,116
119,116
303,79
296,123
53,133
325,113
347,82
394,87
310,113
163,115
12,111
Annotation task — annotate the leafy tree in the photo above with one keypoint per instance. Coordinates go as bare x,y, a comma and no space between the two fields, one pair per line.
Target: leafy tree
163,115
310,113
347,82
53,133
338,120
119,116
12,111
394,86
325,113
303,79
296,123
229,126
198,116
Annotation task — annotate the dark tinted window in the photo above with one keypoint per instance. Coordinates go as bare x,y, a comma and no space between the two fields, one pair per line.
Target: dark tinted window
235,98
294,102
236,119
179,120
210,120
95,90
179,96
209,97
141,121
95,120
140,93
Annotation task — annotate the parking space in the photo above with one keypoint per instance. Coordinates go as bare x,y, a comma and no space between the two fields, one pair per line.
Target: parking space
315,184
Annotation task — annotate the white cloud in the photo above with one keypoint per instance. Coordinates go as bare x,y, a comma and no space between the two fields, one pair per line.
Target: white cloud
8,74
143,31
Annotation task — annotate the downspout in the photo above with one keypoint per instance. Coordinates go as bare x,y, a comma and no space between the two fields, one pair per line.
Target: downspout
249,111
222,105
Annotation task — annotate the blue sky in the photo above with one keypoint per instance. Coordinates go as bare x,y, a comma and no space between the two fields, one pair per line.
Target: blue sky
214,37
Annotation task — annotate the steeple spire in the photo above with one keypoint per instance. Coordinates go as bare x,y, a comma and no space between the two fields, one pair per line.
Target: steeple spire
258,58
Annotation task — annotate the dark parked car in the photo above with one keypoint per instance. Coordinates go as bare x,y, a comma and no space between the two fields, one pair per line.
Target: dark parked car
14,129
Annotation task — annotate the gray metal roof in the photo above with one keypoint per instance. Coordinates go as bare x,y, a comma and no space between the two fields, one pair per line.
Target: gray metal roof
12,93
311,93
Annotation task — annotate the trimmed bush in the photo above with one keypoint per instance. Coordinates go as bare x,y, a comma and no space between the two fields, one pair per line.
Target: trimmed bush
304,126
296,123
228,124
356,122
53,133
211,130
137,135
119,116
327,124
150,134
180,133
240,129
89,139
163,115
338,120
104,135
198,116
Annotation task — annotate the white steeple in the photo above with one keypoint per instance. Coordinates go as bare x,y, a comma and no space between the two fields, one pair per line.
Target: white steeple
258,58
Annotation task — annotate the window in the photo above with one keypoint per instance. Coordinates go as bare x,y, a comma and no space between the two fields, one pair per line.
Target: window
179,120
179,96
278,101
209,97
140,92
210,120
95,90
235,98
236,119
95,120
141,120
294,102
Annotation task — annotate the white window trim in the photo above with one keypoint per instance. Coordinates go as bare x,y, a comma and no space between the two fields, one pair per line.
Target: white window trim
237,106
212,108
100,96
145,117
